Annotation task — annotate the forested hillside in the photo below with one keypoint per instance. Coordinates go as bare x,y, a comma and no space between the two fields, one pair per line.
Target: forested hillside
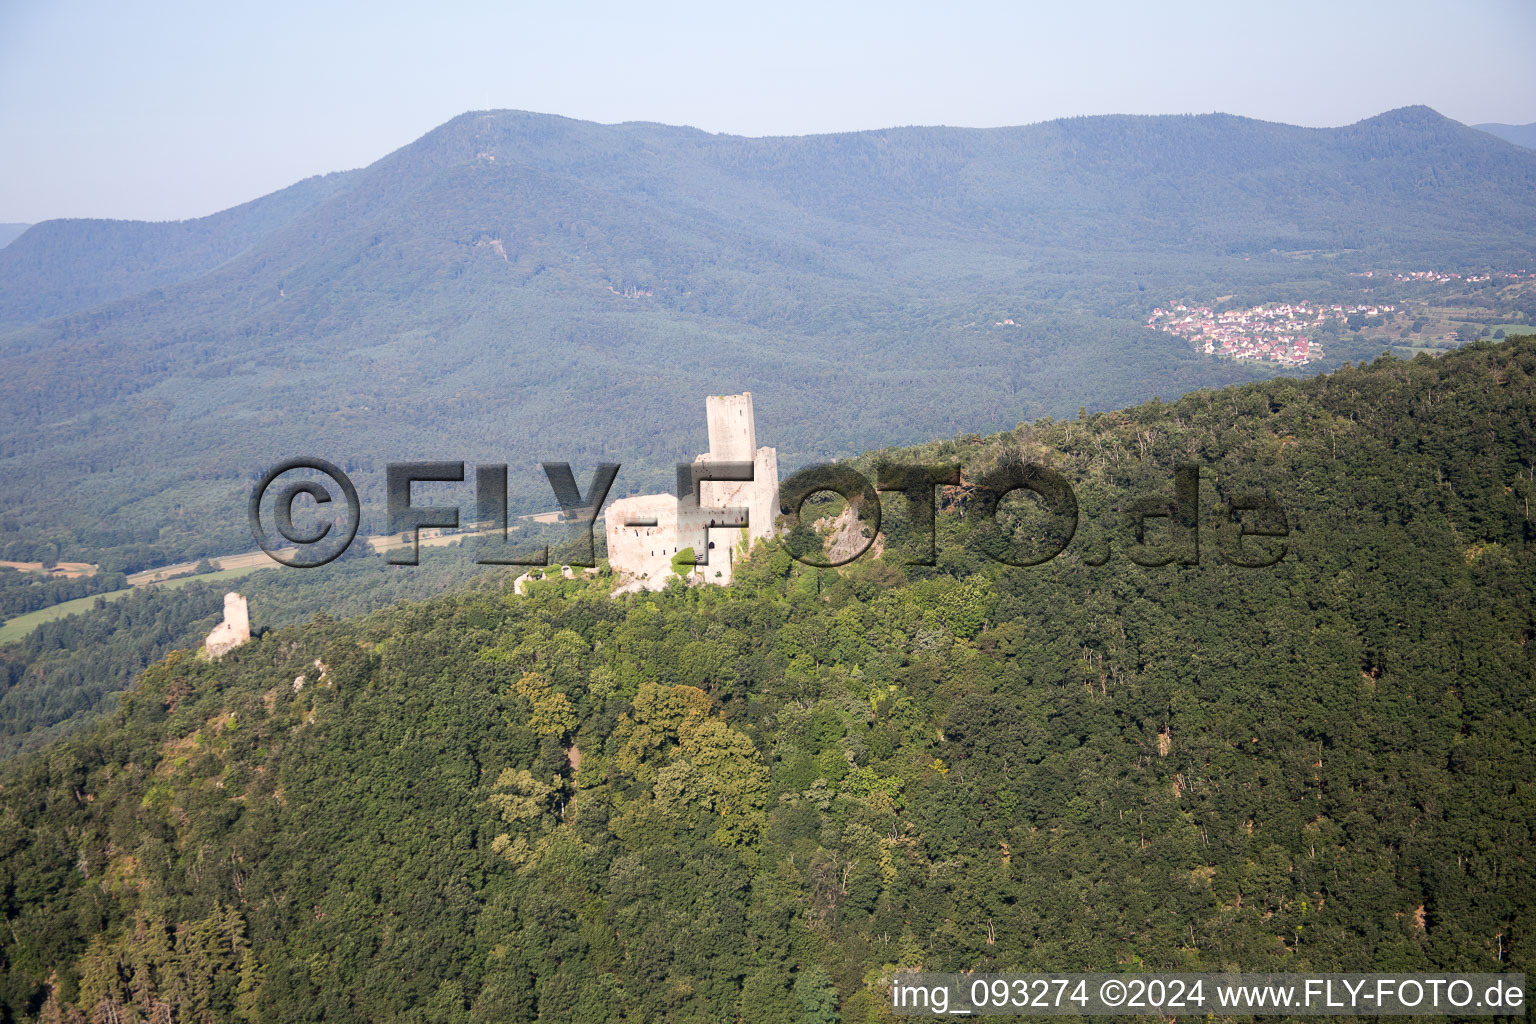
68,265
516,288
1519,134
61,674
757,802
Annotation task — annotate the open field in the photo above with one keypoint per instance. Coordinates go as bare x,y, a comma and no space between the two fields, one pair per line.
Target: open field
68,570
228,563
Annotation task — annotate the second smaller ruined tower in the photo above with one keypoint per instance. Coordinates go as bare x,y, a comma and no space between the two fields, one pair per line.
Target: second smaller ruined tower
234,630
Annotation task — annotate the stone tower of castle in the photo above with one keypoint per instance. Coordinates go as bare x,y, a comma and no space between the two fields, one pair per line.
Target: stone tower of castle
647,531
733,438
732,429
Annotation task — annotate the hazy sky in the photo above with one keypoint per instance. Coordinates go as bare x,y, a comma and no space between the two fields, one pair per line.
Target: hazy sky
167,110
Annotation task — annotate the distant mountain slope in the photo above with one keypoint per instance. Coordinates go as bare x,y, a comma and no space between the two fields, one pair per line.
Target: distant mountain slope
60,266
756,803
10,232
519,287
1519,134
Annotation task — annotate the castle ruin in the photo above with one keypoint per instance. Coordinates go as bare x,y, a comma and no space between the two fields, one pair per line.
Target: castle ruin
234,630
645,533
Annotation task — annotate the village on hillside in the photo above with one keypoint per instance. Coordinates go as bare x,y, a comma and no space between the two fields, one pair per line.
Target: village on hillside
1279,332
1445,276
1465,306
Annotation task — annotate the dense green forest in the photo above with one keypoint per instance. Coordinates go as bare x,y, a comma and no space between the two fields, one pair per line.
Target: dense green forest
514,288
758,802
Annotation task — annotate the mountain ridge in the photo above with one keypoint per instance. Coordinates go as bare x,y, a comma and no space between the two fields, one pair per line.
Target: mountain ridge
1518,134
115,259
447,146
532,266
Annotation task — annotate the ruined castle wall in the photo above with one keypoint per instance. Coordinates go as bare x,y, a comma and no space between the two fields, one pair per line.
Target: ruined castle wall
234,630
645,553
764,502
